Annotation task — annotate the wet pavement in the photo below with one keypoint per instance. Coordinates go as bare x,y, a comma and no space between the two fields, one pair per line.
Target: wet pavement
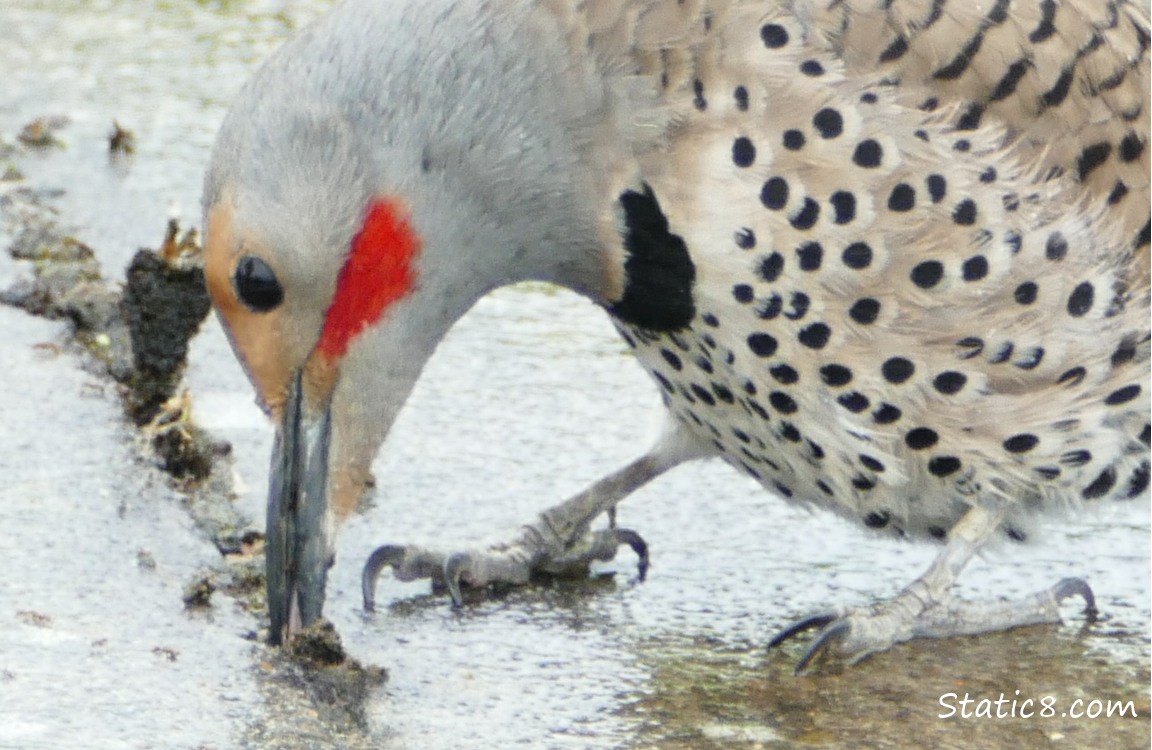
531,396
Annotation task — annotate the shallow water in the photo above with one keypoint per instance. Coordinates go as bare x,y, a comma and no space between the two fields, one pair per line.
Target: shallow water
531,397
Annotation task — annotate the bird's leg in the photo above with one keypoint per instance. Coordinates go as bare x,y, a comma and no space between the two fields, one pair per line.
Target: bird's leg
559,541
926,607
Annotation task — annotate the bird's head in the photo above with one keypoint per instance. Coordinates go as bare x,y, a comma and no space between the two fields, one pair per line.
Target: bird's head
375,178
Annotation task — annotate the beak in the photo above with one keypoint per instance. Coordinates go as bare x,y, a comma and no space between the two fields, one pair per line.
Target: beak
297,552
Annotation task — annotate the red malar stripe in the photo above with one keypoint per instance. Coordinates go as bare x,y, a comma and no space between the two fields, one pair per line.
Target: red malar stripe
377,273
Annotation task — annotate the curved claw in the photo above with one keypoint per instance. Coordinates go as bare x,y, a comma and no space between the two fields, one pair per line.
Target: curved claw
808,623
1070,587
824,641
382,557
638,545
454,567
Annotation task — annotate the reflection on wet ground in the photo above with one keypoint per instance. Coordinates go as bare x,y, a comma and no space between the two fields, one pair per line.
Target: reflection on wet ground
531,397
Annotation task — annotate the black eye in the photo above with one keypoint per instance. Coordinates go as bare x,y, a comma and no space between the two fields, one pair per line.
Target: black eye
256,285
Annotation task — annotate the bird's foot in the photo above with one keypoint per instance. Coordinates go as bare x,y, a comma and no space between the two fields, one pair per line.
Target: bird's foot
537,551
854,633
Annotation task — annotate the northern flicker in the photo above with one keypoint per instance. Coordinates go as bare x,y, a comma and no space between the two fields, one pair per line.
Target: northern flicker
888,257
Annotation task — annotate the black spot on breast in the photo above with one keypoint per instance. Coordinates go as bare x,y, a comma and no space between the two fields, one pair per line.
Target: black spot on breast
1056,247
886,414
921,438
877,519
740,94
1119,191
789,432
703,395
964,213
1013,241
769,308
895,50
1076,458
762,344
671,358
971,346
843,206
1021,443
1072,377
1025,294
1126,352
723,393
743,152
807,216
858,255
771,267
835,375
854,402
1031,358
975,268
865,311
800,303
812,68
743,293
1122,395
773,35
698,99
1080,301
1091,157
815,336
1002,353
970,120
828,122
871,463
937,187
950,382
897,370
811,254
1131,147
794,140
1139,481
782,402
1101,485
659,272
927,274
902,198
784,374
745,238
942,466
868,154
774,194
